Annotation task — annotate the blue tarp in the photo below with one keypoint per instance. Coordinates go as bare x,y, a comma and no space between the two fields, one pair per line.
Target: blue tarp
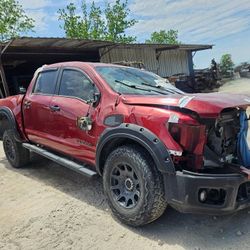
242,145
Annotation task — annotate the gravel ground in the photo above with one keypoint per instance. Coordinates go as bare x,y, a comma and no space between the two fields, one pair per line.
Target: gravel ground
45,206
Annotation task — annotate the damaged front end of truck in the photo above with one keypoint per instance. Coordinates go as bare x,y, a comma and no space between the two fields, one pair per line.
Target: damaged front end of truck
212,158
212,172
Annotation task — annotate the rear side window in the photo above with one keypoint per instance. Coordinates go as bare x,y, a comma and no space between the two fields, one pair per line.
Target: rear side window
46,82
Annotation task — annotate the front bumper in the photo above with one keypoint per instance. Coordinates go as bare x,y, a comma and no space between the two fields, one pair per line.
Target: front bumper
229,192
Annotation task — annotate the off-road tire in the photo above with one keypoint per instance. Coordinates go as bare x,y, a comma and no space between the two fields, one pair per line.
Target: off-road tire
151,203
16,154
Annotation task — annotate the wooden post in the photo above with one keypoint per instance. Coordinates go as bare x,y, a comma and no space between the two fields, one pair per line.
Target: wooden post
5,85
2,73
1,92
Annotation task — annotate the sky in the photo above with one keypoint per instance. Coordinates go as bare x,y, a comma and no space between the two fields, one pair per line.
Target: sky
223,23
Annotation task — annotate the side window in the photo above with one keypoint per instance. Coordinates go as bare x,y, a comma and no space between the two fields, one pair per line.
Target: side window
46,82
76,84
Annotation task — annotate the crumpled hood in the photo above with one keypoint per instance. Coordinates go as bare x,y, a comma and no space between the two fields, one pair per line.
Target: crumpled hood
206,105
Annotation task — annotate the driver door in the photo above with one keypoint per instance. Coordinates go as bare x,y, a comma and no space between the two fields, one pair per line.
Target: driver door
70,104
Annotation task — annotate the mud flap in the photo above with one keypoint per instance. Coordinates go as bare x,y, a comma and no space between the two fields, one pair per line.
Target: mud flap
242,144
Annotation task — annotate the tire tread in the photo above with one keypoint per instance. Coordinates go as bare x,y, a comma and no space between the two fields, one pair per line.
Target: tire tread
23,154
154,203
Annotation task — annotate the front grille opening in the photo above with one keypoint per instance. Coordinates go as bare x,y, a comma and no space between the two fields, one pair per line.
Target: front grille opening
212,196
244,192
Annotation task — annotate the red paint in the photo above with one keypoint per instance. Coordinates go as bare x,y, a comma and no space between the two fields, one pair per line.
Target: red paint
58,130
206,105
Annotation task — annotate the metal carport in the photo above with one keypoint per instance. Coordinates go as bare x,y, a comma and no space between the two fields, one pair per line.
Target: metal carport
20,57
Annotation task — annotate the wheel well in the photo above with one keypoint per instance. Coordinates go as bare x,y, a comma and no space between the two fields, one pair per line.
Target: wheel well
115,143
4,124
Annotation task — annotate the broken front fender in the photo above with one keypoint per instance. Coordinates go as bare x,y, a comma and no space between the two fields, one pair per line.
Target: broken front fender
111,137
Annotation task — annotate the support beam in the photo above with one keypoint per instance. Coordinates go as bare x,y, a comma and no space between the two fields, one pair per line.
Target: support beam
4,81
6,46
3,77
190,64
1,92
108,49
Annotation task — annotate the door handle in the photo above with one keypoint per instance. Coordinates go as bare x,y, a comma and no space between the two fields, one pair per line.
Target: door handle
27,104
55,108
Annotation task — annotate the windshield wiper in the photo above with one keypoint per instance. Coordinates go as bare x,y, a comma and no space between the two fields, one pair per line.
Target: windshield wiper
168,90
158,87
164,91
133,86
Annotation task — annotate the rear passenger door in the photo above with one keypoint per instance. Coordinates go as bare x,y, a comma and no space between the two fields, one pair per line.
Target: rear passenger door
36,106
71,103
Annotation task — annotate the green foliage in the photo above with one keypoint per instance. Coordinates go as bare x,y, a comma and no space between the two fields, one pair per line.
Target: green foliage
226,63
117,22
164,37
109,24
87,26
96,23
13,20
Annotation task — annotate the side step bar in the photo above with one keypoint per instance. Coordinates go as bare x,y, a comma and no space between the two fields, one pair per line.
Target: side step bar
60,160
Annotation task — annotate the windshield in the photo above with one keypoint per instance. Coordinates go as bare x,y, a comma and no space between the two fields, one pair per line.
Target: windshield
125,80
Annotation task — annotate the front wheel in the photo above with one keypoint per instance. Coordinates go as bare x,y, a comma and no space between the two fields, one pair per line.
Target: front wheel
133,186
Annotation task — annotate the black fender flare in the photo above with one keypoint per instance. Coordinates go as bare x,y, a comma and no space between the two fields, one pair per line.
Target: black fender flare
12,121
142,136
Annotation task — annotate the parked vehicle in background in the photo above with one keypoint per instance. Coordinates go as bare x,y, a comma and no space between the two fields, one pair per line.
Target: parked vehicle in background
152,144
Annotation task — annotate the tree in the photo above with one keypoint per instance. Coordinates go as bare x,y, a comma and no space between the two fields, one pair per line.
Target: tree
117,22
87,26
13,20
226,63
94,23
164,37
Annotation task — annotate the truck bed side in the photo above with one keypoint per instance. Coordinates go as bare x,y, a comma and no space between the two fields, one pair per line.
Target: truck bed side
11,115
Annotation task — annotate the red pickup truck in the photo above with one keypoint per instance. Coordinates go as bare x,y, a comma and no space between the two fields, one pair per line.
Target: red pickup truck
152,144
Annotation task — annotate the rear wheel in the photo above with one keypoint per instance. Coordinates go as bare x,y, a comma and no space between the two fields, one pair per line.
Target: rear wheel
15,153
133,186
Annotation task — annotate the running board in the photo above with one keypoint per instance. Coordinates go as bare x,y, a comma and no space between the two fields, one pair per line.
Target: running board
60,160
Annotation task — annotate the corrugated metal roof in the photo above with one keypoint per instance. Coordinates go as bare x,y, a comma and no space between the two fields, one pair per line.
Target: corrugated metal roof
44,43
162,47
56,43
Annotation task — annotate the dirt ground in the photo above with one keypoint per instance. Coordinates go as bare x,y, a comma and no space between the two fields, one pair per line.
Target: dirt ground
241,85
45,206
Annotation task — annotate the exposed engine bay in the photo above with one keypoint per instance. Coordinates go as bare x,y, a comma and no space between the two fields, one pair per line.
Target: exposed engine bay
212,144
222,136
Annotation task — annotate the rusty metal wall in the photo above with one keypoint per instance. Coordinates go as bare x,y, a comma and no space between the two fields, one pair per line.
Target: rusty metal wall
170,61
173,62
145,55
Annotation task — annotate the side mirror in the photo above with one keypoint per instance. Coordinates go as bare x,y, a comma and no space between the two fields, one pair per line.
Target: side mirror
96,98
22,90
